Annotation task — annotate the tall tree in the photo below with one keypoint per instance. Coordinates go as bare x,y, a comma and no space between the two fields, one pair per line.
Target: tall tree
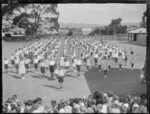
143,21
30,15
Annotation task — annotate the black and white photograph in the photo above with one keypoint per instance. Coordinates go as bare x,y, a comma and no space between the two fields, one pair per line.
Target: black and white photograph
74,58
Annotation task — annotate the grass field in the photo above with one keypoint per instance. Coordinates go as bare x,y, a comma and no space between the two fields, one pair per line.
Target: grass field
120,82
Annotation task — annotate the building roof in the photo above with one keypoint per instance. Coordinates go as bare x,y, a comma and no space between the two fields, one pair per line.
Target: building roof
138,31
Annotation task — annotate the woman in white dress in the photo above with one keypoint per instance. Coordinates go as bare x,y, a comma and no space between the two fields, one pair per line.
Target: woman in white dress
22,69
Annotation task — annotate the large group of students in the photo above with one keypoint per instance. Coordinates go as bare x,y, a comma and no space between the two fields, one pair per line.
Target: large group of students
95,103
59,56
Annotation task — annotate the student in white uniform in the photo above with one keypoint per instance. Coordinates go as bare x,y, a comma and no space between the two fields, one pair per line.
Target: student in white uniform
35,63
6,62
105,67
100,62
142,77
51,67
27,62
78,65
17,60
22,69
12,59
96,58
42,67
67,64
132,60
60,74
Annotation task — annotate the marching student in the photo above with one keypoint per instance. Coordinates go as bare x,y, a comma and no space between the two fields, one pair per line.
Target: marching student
51,66
12,60
142,77
120,61
126,58
96,58
67,64
74,64
17,60
105,66
35,60
60,74
109,63
100,62
22,69
132,60
6,62
78,65
88,64
42,67
27,62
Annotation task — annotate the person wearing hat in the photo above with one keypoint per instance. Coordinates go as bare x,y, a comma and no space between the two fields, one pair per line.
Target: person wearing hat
6,62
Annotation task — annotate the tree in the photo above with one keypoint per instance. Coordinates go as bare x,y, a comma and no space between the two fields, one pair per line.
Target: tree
30,15
143,21
115,25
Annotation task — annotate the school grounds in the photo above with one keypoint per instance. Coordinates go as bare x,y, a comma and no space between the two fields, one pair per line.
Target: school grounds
122,82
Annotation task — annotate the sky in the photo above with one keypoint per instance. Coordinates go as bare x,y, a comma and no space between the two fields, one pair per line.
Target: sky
100,13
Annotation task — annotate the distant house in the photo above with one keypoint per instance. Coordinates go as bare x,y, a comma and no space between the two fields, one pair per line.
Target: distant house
86,31
133,35
63,31
76,31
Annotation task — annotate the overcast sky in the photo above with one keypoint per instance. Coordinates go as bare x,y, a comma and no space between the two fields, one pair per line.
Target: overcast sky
100,13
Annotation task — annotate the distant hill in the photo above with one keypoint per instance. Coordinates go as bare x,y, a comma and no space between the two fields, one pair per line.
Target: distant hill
84,25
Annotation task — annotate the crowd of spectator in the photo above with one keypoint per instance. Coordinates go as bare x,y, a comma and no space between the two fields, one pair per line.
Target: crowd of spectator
94,103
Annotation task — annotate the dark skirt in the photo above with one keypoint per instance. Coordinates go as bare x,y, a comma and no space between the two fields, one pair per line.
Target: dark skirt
12,62
35,65
85,60
126,59
60,79
26,66
100,67
42,70
51,68
17,66
116,59
105,72
132,64
6,66
78,68
72,60
96,60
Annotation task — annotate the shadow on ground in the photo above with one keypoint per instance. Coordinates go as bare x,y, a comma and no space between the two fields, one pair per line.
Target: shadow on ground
122,82
52,86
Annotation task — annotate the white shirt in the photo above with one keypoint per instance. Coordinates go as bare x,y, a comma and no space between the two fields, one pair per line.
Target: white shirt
17,61
79,62
96,56
52,62
6,62
36,60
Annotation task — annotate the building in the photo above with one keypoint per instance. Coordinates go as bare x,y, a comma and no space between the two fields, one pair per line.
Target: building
134,35
86,31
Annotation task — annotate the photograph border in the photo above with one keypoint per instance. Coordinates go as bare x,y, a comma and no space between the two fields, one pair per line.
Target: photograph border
146,2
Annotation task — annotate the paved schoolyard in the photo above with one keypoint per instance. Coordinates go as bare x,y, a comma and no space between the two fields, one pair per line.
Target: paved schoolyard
121,82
